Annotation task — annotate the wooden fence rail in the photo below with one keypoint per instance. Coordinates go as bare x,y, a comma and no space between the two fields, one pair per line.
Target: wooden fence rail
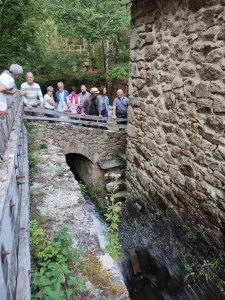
66,117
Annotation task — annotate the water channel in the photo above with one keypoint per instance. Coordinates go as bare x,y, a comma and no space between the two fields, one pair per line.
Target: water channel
152,267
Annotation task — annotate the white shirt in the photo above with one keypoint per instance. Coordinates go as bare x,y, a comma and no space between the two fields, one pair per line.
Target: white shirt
9,82
33,93
47,105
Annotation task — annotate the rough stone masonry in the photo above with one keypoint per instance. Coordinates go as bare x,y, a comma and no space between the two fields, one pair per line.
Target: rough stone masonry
176,140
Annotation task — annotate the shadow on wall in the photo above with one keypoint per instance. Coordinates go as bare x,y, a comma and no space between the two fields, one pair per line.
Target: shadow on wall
85,170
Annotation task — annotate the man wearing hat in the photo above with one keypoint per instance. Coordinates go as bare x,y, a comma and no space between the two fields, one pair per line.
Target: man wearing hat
92,106
8,86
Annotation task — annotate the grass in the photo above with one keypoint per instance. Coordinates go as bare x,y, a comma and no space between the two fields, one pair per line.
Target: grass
43,146
33,159
101,278
60,171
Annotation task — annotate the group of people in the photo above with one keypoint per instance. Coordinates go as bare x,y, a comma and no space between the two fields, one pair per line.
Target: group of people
95,102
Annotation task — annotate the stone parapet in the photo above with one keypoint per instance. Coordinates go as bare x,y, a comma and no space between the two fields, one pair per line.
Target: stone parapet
13,175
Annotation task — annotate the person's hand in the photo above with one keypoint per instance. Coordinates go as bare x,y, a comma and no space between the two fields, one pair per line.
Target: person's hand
83,114
29,107
22,93
100,116
12,91
42,105
114,117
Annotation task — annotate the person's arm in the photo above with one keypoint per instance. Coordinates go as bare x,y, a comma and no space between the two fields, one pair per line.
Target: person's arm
83,107
114,109
99,106
114,112
68,101
107,103
40,96
50,101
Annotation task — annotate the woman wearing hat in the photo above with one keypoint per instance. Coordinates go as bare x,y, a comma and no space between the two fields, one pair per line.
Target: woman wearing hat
92,105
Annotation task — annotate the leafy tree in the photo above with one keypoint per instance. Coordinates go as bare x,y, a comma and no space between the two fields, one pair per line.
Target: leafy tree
103,23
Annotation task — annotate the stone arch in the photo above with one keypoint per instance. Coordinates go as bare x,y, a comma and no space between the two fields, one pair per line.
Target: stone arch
85,169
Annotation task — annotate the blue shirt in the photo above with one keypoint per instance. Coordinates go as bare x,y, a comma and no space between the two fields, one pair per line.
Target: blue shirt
58,96
104,102
121,105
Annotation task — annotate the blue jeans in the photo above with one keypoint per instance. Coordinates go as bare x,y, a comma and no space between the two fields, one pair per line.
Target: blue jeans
104,113
49,116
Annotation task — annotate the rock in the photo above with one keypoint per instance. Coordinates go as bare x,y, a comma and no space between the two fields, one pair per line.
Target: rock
217,87
149,143
222,63
170,100
151,53
188,170
176,28
220,176
134,38
152,78
215,55
187,69
149,38
175,152
177,177
168,158
211,72
177,83
218,104
139,83
215,122
211,33
204,105
202,89
150,110
131,131
190,184
143,179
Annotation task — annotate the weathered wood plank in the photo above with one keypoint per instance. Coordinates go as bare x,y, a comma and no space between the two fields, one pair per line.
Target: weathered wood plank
58,113
134,261
82,122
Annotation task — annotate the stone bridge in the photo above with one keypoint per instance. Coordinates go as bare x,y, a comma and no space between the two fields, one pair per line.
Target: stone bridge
91,153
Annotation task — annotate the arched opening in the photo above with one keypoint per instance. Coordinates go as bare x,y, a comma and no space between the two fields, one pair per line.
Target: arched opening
85,170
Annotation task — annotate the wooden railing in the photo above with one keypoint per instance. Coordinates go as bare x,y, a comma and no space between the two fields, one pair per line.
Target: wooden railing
78,119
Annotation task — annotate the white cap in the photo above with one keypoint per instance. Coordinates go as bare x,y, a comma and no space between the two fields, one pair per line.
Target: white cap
94,90
16,69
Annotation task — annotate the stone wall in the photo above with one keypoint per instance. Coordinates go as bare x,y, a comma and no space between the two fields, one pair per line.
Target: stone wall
176,141
14,202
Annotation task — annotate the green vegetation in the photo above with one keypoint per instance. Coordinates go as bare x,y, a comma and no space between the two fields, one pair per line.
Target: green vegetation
193,233
43,146
112,217
54,263
83,188
60,171
33,160
188,268
209,269
45,36
139,207
159,212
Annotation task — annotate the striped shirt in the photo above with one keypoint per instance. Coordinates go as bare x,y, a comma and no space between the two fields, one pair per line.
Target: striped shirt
33,93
